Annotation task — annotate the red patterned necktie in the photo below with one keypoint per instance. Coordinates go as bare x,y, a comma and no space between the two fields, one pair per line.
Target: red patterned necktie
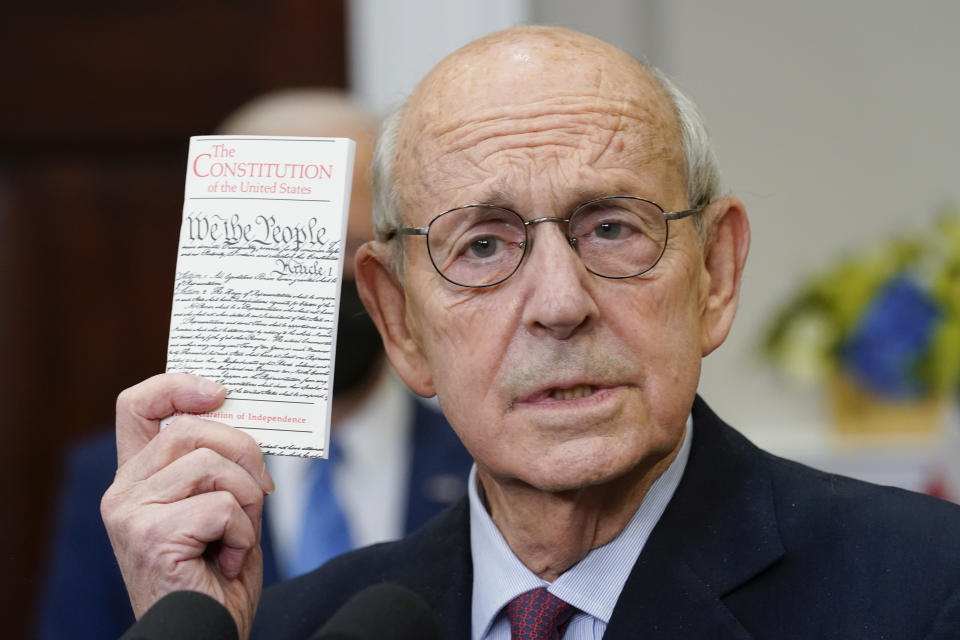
538,615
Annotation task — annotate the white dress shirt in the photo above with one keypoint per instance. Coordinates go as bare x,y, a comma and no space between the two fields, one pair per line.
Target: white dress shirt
593,585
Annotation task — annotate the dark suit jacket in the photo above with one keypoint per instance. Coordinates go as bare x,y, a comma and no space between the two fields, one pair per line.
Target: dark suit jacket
750,546
85,597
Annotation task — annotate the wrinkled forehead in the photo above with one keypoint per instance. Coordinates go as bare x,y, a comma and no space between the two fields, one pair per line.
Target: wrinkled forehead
533,92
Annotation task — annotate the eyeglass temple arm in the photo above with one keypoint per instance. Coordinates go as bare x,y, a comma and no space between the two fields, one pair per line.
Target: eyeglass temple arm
679,215
407,231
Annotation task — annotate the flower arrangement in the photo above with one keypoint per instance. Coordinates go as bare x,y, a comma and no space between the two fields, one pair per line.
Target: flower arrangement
887,318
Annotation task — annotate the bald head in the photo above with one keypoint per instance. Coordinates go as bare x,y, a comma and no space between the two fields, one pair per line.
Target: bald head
536,76
534,60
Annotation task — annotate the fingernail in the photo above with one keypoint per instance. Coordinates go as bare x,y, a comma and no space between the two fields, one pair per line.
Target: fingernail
266,481
211,387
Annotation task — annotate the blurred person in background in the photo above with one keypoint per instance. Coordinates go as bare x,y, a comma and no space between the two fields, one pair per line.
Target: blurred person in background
394,462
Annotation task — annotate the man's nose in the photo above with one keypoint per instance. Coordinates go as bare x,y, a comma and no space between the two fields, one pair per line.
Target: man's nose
560,302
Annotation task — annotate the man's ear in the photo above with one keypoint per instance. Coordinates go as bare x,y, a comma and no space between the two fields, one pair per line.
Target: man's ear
386,302
724,255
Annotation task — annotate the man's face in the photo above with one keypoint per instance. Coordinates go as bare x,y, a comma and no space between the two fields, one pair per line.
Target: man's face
556,378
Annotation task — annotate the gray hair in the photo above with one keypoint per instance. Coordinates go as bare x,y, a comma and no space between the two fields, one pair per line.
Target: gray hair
386,215
701,170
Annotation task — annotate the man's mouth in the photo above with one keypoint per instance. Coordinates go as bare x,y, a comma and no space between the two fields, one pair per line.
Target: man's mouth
572,393
568,393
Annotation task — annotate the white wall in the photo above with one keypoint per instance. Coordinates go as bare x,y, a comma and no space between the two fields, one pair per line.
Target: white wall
632,25
836,122
394,43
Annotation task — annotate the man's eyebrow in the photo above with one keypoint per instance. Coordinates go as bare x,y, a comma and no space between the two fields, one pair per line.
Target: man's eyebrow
499,197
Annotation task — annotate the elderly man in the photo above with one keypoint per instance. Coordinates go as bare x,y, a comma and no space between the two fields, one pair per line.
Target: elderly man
553,260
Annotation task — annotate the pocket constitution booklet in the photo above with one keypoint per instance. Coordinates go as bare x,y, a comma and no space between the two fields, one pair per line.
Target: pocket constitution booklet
257,286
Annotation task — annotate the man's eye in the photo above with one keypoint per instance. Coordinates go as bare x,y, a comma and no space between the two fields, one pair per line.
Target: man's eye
483,247
608,230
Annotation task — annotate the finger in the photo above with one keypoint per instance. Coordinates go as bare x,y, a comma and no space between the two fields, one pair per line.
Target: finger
189,433
202,471
218,517
141,407
168,535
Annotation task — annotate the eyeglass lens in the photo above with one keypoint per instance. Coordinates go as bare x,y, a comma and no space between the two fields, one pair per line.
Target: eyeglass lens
482,245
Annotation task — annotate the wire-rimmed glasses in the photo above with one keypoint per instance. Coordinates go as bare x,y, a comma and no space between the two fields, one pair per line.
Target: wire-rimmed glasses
481,245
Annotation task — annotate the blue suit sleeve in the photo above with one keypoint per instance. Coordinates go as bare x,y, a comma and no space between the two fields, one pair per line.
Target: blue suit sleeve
84,596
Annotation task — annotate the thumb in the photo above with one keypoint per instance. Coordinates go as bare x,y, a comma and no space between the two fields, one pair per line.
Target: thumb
141,407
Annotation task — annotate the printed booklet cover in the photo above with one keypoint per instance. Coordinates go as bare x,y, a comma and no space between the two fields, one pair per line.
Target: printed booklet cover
257,286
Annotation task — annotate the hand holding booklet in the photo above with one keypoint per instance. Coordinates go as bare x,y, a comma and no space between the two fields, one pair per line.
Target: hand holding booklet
258,277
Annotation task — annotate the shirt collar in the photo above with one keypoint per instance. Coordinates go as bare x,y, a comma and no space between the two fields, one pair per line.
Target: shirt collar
593,585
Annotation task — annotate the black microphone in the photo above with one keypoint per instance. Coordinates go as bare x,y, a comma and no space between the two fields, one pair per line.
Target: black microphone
184,615
384,611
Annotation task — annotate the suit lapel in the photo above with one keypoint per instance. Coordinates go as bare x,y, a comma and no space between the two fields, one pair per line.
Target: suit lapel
718,531
444,573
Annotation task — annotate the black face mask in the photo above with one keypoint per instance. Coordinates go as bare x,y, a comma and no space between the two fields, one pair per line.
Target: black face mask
358,342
